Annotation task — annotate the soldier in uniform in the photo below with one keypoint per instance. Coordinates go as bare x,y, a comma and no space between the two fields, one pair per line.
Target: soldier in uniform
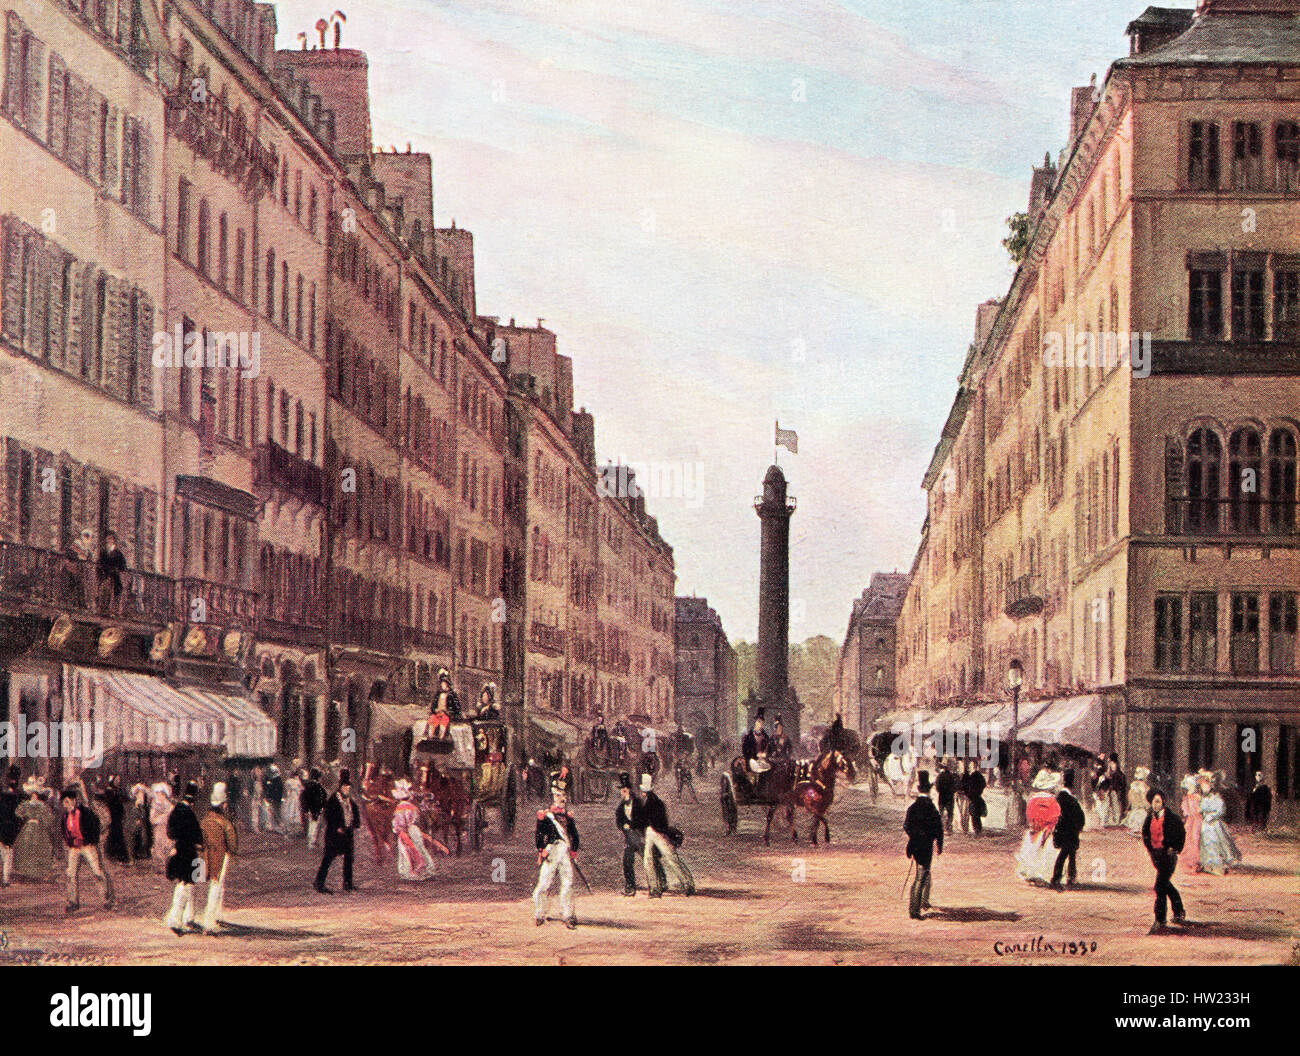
557,847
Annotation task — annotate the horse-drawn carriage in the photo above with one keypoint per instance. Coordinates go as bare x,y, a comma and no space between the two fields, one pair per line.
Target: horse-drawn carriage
809,785
456,778
607,753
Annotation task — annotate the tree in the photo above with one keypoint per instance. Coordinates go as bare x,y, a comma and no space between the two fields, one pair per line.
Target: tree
1017,241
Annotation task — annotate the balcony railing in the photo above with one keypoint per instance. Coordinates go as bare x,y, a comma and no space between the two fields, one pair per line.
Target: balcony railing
1024,597
548,638
215,132
1202,357
32,576
277,467
201,601
367,633
1237,516
430,641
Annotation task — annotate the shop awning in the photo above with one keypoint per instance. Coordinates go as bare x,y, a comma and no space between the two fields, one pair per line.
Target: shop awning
555,728
393,720
142,711
1075,721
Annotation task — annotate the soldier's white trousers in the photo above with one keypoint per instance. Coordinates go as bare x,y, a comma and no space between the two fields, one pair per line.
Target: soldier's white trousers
216,897
181,915
557,862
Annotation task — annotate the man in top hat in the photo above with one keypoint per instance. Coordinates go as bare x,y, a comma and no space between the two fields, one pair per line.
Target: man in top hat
314,798
780,749
924,828
9,824
186,865
111,566
220,844
630,819
1163,836
662,838
1065,836
755,747
342,819
557,847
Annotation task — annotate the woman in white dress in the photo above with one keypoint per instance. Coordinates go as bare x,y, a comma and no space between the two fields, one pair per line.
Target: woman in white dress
1037,854
292,810
1137,801
414,862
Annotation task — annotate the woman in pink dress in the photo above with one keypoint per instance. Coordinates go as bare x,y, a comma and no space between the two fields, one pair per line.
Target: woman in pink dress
1190,808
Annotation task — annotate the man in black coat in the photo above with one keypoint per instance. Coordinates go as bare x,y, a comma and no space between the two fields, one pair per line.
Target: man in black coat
662,838
312,800
973,785
1259,804
924,830
342,819
1065,836
1163,835
945,784
630,819
80,825
185,866
9,824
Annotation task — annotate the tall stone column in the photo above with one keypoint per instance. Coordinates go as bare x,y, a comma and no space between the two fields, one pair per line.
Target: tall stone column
774,509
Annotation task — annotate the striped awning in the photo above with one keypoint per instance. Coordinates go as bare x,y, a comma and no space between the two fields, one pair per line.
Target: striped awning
139,711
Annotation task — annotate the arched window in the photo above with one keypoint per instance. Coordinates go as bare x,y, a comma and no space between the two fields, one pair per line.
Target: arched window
1282,480
1204,460
1244,466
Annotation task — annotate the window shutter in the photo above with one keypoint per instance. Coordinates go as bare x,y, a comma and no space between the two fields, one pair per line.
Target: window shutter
1173,486
144,351
150,529
90,500
45,504
34,89
117,508
130,137
38,287
74,310
56,120
96,148
79,126
55,326
11,304
114,309
81,514
13,63
124,8
13,476
112,152
144,172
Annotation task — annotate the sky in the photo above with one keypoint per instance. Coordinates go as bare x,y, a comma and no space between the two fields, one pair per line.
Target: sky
739,212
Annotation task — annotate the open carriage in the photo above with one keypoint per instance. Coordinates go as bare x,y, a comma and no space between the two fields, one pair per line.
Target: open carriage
604,755
460,777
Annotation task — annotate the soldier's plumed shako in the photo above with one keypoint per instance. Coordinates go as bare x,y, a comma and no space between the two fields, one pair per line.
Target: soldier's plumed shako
560,780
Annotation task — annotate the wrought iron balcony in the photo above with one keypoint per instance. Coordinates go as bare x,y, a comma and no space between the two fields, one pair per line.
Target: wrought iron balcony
548,639
1024,597
277,467
202,601
47,579
213,131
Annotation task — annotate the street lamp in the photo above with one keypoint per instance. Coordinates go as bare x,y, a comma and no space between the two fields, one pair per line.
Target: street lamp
1015,679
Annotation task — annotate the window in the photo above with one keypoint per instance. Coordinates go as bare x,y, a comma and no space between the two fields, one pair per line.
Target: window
1203,156
284,296
240,249
223,251
270,285
1162,750
1282,633
313,208
183,219
297,195
1288,762
1200,746
1287,137
1204,619
297,326
1169,633
1286,305
204,221
1244,484
1204,455
1282,480
1205,305
1245,633
187,405
1247,156
1248,305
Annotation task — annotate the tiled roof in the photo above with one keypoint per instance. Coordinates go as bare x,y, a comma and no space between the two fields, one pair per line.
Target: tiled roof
1228,40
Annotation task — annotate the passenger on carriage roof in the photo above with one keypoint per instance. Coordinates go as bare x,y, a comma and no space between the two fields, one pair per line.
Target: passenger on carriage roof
446,707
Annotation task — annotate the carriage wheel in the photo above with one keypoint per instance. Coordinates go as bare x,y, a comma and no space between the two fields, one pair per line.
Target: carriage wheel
479,823
511,805
730,816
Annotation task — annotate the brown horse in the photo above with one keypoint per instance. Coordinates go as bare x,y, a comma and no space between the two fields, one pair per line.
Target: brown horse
816,794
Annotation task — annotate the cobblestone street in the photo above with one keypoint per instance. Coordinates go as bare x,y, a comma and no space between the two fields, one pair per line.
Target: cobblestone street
783,904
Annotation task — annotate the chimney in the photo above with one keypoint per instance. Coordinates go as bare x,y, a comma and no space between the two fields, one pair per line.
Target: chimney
1041,185
985,314
1083,101
342,80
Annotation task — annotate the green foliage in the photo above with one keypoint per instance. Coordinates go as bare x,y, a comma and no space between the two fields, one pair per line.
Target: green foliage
1017,241
812,673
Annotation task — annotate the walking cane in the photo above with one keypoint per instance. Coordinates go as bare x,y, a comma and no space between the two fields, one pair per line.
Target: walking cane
911,863
581,875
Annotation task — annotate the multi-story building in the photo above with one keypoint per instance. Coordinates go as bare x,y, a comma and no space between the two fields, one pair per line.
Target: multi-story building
705,687
287,410
1119,468
864,674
